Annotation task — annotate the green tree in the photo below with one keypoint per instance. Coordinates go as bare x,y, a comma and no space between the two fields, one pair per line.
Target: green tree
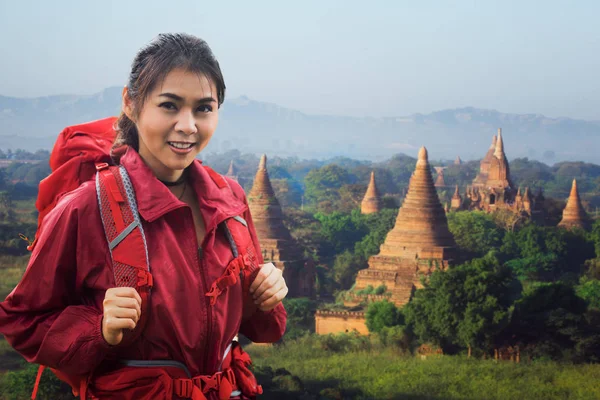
550,320
381,314
378,225
475,232
322,186
546,253
341,231
589,290
300,316
345,268
464,306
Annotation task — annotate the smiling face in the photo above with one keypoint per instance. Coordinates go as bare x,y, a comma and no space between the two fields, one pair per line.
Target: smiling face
176,122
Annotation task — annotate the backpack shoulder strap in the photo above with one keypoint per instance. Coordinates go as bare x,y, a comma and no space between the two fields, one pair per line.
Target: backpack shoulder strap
125,237
244,264
128,249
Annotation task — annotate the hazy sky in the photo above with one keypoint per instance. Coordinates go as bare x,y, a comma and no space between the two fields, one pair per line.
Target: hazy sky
378,58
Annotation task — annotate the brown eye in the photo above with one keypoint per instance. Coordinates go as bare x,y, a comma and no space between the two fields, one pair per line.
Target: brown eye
168,105
205,108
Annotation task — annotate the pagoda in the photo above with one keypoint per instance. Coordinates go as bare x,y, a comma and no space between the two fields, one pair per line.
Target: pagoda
419,243
439,181
232,172
275,239
371,203
456,202
492,187
574,215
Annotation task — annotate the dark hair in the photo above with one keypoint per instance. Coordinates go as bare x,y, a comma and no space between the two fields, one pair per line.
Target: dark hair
153,63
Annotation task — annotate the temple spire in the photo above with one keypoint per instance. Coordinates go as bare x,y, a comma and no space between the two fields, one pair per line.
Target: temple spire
232,171
263,162
439,181
499,148
264,206
371,203
275,240
574,215
456,201
421,220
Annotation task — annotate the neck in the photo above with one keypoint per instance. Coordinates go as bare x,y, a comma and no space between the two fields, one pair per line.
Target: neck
177,182
164,174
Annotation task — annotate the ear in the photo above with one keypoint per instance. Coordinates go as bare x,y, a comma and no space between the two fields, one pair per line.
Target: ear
127,104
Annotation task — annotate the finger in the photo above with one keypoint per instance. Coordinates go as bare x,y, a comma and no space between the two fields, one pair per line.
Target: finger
123,302
120,323
268,283
124,292
130,313
263,273
275,287
274,300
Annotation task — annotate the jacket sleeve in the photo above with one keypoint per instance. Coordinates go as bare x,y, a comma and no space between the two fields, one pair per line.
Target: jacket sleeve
260,326
43,318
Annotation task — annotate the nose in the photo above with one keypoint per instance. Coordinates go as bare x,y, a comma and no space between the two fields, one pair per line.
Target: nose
186,123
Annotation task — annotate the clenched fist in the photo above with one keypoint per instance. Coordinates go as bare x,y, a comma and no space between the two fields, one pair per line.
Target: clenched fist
122,310
268,288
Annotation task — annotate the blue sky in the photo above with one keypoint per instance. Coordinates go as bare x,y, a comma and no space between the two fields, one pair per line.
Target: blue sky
386,58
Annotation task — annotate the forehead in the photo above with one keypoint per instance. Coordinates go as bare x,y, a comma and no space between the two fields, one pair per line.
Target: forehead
185,83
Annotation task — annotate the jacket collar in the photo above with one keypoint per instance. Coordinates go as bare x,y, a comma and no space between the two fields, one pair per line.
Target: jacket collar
154,199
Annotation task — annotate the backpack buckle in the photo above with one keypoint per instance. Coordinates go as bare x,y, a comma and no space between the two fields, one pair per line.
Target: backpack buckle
101,166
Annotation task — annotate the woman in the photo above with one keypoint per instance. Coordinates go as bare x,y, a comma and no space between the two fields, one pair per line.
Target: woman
74,320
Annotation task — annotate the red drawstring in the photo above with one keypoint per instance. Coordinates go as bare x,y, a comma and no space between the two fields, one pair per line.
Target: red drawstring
228,278
37,382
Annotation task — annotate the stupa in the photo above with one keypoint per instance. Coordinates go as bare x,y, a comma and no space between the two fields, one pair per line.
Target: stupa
574,215
276,243
371,203
419,243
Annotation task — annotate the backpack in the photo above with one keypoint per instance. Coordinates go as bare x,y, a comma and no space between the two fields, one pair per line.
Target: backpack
82,153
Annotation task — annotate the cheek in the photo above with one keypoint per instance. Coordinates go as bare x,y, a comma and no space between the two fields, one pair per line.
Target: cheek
153,127
207,127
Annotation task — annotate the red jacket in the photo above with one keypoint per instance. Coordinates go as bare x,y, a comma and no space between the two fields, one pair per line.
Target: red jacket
53,316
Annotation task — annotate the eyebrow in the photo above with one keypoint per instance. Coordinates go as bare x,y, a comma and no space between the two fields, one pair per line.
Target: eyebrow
179,98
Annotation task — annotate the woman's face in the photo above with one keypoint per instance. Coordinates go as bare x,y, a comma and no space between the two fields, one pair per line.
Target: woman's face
176,122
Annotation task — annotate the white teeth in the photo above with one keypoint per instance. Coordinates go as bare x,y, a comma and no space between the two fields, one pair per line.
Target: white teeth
181,145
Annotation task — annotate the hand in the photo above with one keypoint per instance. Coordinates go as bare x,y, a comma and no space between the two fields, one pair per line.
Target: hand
268,288
122,310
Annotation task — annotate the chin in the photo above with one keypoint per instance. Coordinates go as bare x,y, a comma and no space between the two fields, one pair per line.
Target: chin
180,165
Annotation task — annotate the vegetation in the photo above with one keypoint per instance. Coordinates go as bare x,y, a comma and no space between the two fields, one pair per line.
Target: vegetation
348,366
513,283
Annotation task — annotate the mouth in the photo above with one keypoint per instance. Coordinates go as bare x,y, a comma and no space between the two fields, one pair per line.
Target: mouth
181,145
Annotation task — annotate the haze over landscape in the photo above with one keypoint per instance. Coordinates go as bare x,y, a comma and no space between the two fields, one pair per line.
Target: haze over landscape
317,81
257,127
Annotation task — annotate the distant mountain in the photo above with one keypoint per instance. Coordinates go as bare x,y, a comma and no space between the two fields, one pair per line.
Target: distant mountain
257,127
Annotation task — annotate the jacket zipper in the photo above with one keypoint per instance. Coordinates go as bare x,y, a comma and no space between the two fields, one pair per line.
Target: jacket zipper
204,274
204,277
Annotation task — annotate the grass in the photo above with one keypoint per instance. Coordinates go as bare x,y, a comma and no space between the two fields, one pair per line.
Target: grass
339,369
9,358
11,271
386,374
24,210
